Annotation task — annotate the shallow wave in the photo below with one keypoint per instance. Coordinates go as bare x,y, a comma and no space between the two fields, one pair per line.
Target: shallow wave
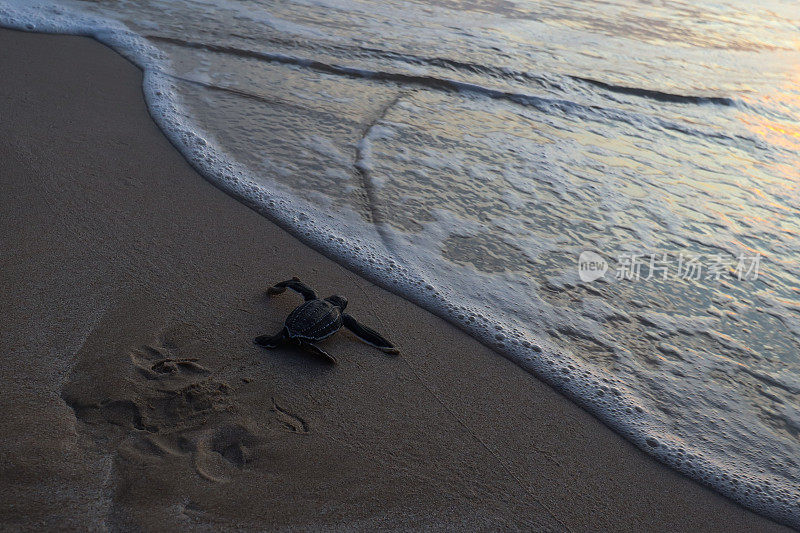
444,84
660,95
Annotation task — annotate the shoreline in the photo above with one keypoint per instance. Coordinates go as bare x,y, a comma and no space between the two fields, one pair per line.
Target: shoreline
124,257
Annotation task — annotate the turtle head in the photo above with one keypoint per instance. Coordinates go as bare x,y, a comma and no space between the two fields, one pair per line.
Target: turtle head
338,301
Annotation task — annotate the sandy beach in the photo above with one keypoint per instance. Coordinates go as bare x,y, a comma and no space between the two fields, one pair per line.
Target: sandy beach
134,399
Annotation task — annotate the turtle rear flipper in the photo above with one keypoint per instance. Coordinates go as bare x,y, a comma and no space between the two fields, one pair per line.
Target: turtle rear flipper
368,335
271,341
313,348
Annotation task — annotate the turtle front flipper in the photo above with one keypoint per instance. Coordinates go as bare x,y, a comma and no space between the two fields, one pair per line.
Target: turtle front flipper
296,285
313,348
368,335
271,341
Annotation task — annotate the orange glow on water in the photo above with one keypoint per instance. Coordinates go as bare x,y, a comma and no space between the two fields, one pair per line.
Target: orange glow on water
784,130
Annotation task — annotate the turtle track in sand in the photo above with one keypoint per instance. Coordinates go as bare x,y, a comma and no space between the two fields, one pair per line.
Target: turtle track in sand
167,407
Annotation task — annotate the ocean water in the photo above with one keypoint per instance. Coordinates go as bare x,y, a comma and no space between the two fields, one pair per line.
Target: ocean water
465,154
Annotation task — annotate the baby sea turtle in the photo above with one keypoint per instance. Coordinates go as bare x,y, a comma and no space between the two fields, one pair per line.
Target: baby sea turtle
316,320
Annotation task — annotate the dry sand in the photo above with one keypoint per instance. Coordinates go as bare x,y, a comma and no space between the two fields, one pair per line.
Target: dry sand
132,396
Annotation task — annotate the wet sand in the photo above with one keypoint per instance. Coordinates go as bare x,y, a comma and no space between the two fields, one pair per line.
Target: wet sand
133,396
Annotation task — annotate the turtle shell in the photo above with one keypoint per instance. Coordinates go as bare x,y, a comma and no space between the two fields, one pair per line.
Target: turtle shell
314,320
